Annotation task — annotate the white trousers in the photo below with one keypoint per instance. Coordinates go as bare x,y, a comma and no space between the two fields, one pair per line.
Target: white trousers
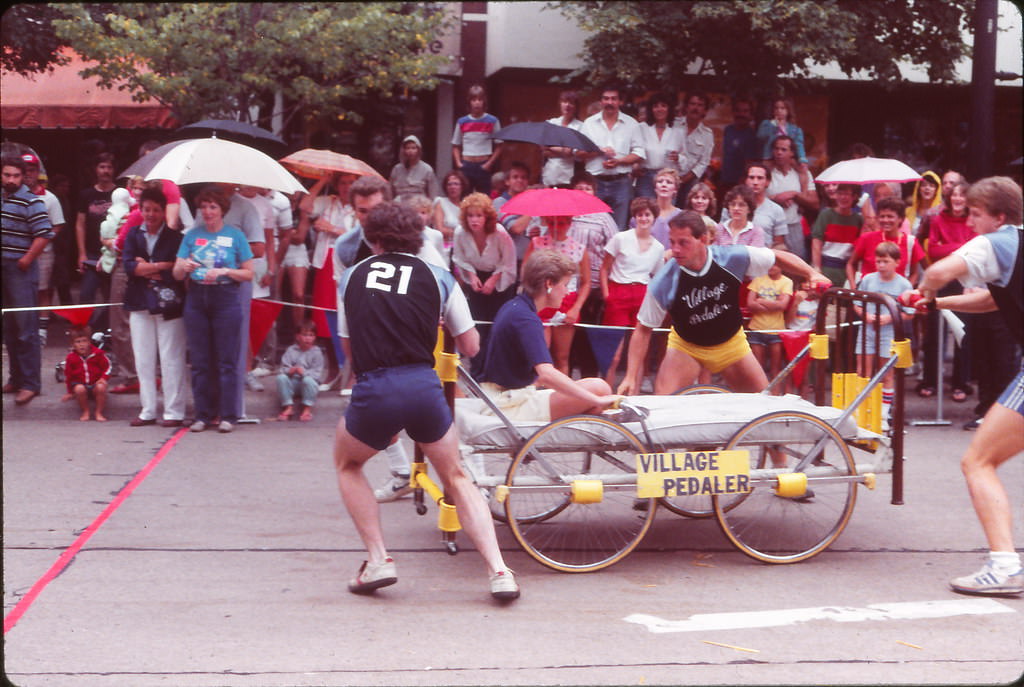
155,338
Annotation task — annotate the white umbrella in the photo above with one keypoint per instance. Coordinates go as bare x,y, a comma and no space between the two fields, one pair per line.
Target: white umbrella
867,170
217,160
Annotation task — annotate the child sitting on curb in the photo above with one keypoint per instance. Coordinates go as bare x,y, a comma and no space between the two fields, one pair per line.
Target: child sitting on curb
302,370
86,370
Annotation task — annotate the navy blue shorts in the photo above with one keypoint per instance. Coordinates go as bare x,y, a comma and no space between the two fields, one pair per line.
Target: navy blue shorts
386,401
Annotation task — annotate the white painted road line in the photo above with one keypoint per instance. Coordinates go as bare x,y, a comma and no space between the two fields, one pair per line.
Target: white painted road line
910,610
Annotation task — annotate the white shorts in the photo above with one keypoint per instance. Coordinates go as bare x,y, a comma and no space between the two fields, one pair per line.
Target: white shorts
528,404
296,256
45,262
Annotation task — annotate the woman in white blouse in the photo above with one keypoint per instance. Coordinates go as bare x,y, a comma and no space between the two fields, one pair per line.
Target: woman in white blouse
484,262
662,141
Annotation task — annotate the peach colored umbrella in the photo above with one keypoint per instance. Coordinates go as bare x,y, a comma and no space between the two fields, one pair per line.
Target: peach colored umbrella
313,163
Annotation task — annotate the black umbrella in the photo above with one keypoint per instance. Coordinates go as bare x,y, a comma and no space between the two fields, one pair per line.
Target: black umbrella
239,132
546,134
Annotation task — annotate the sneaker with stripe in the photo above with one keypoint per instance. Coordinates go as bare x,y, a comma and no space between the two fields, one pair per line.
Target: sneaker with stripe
990,581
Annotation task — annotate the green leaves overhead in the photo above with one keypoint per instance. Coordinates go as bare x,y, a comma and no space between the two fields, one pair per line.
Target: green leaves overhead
215,59
753,45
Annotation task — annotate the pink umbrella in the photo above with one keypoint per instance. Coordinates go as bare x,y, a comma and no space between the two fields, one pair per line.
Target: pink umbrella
554,202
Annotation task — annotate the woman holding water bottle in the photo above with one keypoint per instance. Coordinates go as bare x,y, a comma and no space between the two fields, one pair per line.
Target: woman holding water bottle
214,259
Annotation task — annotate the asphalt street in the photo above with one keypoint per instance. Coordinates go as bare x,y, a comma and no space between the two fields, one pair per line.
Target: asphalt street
151,556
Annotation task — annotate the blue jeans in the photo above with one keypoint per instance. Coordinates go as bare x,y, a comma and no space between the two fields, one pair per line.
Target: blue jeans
645,184
95,288
245,305
21,329
288,386
618,193
213,329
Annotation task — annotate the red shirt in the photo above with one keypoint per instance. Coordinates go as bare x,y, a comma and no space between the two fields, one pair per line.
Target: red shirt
946,233
864,250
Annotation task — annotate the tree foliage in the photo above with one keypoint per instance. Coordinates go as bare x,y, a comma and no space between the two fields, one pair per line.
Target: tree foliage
756,45
219,59
29,43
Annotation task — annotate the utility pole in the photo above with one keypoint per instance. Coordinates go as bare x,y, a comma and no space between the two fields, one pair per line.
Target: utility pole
983,91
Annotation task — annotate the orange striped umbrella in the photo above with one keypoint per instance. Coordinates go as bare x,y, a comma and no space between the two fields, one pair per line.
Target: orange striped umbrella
316,164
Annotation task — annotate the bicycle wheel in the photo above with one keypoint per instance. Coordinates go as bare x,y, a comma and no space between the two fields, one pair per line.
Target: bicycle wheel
693,506
597,526
778,529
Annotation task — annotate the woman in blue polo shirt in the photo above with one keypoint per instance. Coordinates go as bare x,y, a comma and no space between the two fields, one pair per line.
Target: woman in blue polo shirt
518,359
215,259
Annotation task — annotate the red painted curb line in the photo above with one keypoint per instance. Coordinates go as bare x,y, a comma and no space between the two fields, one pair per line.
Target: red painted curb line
65,558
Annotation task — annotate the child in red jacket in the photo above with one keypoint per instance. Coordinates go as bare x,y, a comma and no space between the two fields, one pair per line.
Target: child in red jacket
86,369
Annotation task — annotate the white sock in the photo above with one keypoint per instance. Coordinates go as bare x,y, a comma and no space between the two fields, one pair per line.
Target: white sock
1005,561
398,459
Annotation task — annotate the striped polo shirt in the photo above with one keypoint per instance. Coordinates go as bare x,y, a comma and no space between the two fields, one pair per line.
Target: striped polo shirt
24,219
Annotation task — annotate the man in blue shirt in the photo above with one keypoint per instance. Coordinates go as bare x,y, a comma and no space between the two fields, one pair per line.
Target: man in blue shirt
739,145
26,231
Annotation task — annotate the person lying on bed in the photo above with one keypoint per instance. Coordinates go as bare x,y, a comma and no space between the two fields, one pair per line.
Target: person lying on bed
518,361
701,290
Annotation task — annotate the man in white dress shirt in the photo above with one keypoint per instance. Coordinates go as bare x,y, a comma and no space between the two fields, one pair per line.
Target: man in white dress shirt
700,141
621,143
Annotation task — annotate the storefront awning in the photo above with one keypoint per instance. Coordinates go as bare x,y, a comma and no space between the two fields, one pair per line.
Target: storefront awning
63,100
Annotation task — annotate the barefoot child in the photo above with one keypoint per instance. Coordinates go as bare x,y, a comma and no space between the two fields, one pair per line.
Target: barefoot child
86,370
302,370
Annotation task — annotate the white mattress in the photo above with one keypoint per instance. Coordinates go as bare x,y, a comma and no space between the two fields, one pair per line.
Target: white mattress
674,421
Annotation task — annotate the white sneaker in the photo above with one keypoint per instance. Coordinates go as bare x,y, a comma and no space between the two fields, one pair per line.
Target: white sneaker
224,427
503,585
989,581
253,384
373,576
197,426
392,490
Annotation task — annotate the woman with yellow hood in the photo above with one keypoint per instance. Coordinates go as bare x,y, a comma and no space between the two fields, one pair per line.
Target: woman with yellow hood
927,195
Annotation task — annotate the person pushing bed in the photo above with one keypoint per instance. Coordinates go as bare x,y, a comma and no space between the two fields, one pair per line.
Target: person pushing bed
389,306
701,291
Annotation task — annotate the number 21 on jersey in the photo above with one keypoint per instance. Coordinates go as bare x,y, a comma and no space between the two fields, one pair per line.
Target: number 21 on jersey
382,274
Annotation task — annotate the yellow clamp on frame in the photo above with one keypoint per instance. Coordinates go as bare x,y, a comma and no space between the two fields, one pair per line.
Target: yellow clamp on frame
869,480
903,352
587,491
792,484
446,365
501,493
447,518
819,346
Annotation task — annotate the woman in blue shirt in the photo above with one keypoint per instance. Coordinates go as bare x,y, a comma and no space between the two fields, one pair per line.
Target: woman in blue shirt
518,358
214,259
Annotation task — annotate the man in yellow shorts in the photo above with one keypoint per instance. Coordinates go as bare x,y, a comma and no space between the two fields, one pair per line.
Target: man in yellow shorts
701,292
